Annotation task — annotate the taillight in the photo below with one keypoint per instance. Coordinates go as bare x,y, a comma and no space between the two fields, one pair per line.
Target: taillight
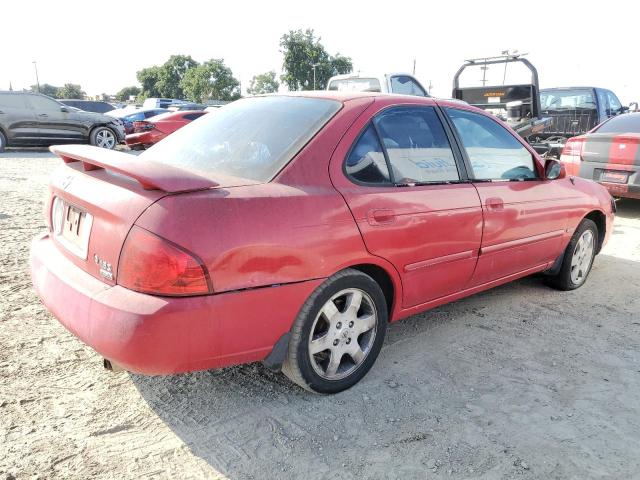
571,155
143,126
151,264
574,146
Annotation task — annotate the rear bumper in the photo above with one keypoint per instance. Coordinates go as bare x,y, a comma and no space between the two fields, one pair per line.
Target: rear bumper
164,335
594,171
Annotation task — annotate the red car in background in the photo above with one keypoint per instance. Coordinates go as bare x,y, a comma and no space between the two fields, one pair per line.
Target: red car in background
149,132
609,154
291,229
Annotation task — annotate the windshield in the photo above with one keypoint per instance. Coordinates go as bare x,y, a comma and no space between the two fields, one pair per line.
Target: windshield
355,85
251,138
627,123
567,99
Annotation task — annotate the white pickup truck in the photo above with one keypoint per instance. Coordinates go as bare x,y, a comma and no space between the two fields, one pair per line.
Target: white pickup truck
402,83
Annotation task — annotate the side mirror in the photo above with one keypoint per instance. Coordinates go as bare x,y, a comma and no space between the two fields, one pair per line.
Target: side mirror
554,170
64,109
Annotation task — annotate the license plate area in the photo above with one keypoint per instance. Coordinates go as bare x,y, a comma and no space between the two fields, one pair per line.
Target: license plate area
612,176
72,227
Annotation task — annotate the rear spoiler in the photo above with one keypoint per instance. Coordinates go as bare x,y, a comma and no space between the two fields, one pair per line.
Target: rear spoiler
151,175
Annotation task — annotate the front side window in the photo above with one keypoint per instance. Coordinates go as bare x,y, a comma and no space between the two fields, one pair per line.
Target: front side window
417,145
614,103
406,85
251,138
494,153
41,103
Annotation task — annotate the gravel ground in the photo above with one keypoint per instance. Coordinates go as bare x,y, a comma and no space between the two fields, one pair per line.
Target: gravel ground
518,382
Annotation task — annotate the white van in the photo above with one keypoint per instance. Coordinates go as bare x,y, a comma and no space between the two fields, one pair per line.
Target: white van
402,83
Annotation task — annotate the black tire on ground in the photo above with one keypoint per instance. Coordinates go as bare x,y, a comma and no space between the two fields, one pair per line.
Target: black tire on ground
571,266
103,137
3,142
312,371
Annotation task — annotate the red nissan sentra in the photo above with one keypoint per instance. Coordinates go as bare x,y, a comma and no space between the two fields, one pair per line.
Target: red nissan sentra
292,228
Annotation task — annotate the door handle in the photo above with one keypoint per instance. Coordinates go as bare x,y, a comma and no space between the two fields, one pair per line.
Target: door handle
494,203
381,216
43,115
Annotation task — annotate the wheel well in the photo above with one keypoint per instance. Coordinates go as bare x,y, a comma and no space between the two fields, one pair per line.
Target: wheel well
383,279
600,220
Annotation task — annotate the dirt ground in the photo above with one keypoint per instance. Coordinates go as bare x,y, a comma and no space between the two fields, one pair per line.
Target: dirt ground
518,382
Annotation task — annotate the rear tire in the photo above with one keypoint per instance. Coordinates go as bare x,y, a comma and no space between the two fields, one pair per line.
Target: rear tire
103,137
578,258
338,333
3,142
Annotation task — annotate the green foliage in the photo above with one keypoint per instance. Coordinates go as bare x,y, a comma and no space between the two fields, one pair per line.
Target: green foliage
301,50
182,77
212,80
149,78
71,90
47,89
171,75
263,83
124,94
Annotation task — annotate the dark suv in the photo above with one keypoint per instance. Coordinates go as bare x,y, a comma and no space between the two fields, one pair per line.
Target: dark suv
31,119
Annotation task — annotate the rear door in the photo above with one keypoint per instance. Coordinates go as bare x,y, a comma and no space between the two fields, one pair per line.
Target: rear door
403,182
17,119
525,216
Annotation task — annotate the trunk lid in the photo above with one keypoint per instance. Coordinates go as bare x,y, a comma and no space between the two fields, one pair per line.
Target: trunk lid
101,194
614,150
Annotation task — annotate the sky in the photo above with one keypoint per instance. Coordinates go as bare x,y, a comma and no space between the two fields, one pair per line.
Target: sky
101,45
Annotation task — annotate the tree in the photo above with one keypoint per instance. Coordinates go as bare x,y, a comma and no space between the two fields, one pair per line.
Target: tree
263,83
172,73
302,50
71,90
47,89
212,80
124,94
149,78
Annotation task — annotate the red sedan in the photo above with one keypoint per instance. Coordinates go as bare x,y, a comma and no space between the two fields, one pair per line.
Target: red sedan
292,229
149,132
609,154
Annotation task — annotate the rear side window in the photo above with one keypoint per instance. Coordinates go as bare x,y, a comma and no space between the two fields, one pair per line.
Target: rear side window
406,85
366,162
493,151
10,100
192,116
628,123
356,85
251,138
417,145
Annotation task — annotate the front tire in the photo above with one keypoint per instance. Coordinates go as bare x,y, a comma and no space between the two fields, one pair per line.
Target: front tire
3,142
578,258
103,137
338,333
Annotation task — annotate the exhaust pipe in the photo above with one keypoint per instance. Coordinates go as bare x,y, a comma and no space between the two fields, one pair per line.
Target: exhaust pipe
111,366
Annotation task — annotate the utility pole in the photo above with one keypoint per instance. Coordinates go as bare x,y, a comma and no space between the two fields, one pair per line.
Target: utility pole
414,66
35,65
314,65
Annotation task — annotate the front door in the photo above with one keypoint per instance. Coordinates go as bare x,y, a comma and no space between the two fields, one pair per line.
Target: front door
525,216
409,196
53,123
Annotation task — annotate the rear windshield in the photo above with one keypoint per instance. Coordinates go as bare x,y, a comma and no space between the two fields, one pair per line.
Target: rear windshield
251,138
356,85
627,123
567,99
